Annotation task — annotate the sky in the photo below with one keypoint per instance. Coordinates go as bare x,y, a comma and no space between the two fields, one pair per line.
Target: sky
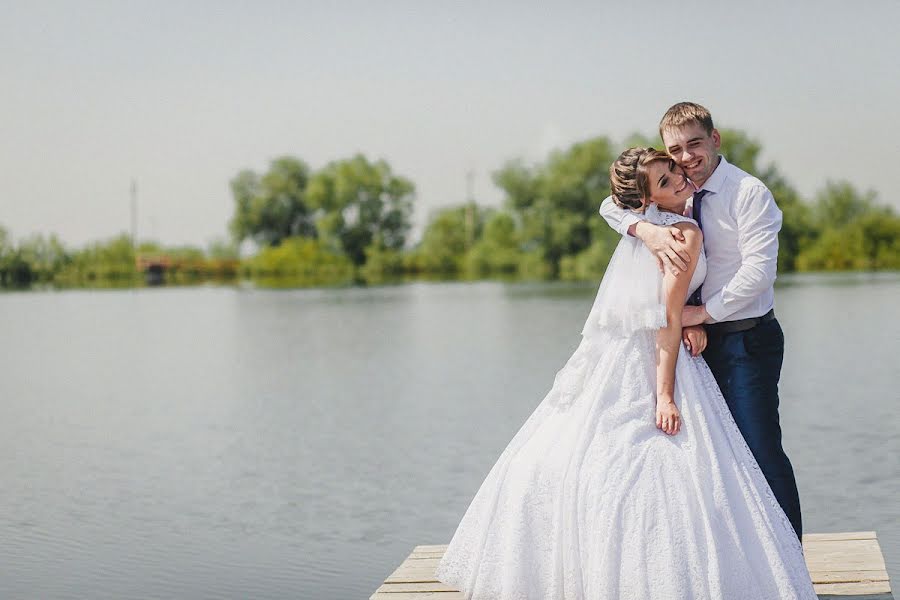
181,96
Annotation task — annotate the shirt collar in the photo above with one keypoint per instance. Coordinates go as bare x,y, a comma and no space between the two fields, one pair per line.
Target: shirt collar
717,179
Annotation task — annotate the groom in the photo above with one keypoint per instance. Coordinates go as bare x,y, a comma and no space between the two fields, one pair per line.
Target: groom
740,224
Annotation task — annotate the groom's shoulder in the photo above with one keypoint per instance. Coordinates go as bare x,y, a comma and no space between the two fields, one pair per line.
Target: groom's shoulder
750,193
744,182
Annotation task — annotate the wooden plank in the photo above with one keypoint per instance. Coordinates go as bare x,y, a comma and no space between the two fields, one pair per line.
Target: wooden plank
847,576
417,568
417,596
812,537
850,535
421,562
412,573
853,589
886,596
845,555
840,564
431,548
423,578
422,586
850,544
408,575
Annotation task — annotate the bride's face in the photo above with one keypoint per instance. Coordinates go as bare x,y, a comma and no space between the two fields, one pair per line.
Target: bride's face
669,187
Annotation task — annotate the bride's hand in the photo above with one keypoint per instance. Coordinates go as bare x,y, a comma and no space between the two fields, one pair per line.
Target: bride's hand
694,338
667,416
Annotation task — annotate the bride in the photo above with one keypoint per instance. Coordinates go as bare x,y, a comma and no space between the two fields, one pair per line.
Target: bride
630,480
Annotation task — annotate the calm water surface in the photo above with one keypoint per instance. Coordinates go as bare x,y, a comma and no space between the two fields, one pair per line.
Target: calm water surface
229,443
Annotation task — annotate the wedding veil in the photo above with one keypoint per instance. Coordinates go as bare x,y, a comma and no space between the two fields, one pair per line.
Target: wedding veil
630,299
630,296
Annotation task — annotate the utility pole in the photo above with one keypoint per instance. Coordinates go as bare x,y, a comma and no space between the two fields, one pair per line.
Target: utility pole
134,210
470,208
134,233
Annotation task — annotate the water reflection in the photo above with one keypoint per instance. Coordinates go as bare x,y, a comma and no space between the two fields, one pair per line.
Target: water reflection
232,443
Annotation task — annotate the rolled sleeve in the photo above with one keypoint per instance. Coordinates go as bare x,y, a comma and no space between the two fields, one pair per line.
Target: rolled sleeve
715,308
617,217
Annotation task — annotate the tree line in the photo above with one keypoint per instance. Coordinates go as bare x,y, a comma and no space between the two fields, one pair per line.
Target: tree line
350,222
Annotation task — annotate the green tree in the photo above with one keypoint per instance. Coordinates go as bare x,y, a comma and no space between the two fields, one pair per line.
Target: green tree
222,249
839,203
589,264
498,251
382,263
298,261
556,202
356,200
855,233
46,255
450,233
15,270
835,250
741,150
881,237
272,207
110,262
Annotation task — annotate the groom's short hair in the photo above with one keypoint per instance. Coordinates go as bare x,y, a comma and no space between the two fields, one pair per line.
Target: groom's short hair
685,113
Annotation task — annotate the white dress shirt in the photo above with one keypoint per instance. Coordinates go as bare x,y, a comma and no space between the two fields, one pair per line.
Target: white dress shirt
740,235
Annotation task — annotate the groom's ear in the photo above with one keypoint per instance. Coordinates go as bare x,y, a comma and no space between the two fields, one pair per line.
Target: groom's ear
717,139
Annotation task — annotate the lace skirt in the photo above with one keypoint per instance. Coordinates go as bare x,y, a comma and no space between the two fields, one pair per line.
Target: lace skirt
591,501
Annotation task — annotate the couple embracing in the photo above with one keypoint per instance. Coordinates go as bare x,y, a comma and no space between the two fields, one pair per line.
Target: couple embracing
650,470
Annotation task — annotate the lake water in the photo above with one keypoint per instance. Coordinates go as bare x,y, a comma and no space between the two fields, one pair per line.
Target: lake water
238,443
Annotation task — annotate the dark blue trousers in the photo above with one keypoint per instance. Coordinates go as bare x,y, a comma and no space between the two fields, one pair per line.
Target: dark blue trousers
747,366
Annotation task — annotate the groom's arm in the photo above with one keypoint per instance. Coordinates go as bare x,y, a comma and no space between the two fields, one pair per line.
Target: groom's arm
758,223
667,244
620,219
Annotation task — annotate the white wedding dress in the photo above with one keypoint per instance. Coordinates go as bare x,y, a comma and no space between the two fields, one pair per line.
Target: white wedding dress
590,501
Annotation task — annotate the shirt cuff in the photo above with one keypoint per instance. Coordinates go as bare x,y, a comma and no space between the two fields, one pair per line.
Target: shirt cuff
716,308
628,221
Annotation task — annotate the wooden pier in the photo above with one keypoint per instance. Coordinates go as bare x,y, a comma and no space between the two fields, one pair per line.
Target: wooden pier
842,565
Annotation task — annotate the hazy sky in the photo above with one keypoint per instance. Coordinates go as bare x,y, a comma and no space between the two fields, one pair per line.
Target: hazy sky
183,95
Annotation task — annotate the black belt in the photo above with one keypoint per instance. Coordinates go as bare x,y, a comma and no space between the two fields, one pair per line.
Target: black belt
739,325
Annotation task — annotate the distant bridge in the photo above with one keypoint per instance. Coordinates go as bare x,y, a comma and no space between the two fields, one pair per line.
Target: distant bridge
155,266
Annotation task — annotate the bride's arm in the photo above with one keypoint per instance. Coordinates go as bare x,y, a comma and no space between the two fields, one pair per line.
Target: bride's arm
668,338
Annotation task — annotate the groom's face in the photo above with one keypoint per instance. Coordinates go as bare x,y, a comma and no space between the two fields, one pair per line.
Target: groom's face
693,150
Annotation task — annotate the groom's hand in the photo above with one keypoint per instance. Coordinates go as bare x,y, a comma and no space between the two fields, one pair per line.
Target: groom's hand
666,244
694,338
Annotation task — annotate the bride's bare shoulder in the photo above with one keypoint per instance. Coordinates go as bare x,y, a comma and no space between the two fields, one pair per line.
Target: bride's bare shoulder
692,234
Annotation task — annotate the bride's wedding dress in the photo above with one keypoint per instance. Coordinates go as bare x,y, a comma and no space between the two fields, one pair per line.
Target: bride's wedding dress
590,501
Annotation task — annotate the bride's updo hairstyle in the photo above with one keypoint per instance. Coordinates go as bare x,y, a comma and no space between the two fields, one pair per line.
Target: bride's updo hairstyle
629,181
